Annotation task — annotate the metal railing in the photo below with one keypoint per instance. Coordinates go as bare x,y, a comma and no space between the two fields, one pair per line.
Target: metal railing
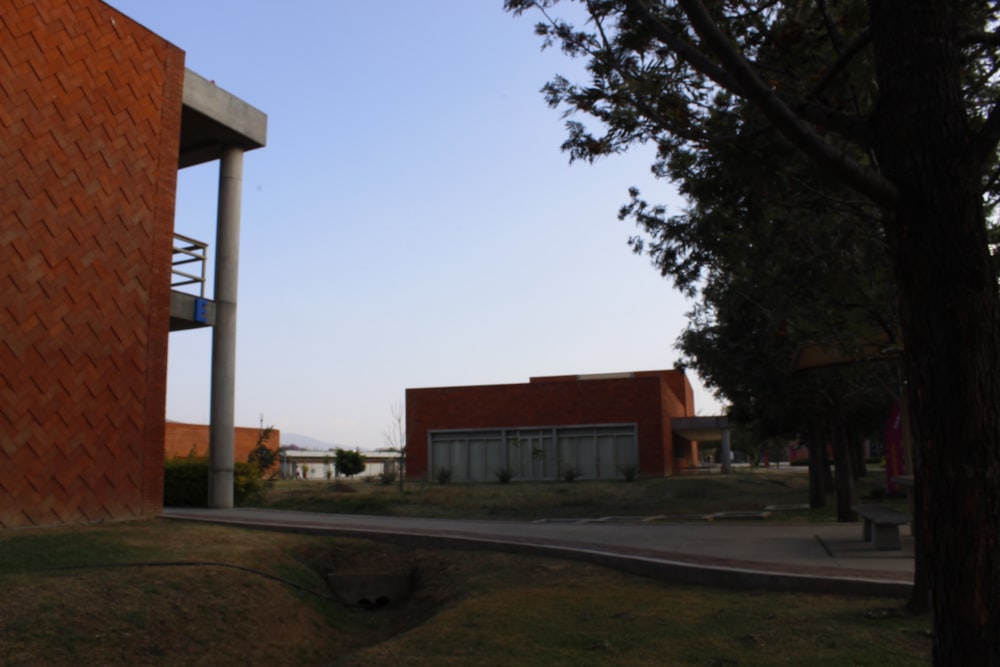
188,252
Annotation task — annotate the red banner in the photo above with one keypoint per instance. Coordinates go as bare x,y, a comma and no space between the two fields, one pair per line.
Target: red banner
894,464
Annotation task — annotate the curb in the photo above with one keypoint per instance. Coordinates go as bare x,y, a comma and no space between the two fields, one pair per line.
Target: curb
730,574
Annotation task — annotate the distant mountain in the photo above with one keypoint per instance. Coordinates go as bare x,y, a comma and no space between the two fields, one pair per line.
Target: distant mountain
305,442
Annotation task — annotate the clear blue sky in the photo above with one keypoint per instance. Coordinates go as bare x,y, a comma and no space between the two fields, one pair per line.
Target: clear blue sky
412,221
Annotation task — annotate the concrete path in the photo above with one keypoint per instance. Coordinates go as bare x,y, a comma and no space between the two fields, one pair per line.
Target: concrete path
751,553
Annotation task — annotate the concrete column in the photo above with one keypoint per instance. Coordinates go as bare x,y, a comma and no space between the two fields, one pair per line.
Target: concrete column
221,444
727,454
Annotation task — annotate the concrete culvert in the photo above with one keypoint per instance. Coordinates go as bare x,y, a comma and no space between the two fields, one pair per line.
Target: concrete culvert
371,590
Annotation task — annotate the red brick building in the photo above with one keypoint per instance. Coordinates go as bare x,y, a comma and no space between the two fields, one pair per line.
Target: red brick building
94,124
598,425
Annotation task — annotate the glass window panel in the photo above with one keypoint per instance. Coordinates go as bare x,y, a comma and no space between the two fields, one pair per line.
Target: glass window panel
607,459
477,461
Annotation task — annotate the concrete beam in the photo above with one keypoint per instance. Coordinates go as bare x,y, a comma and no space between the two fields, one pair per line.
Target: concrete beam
701,429
189,311
212,119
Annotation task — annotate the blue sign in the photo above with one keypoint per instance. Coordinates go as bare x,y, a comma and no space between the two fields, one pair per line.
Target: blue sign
200,308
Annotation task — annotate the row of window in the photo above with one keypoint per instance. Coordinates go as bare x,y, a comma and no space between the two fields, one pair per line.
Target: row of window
595,452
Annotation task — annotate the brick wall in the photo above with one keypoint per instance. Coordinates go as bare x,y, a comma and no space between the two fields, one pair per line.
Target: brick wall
181,439
90,108
645,399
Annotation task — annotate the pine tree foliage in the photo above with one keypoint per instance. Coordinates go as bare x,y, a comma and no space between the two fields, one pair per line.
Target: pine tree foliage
875,123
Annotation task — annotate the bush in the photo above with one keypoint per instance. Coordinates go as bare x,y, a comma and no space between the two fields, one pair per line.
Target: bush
387,477
570,473
248,484
185,483
443,475
503,475
629,472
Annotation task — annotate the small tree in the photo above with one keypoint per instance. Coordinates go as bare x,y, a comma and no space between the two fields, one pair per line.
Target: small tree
348,462
261,455
395,440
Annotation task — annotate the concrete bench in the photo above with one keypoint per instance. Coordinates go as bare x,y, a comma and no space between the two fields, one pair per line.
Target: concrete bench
881,526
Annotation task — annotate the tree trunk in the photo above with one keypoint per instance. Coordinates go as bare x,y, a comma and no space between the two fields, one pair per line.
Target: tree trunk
817,493
842,466
920,595
950,314
857,448
824,450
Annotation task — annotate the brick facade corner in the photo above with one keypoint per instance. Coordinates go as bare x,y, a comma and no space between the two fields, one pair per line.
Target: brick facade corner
90,118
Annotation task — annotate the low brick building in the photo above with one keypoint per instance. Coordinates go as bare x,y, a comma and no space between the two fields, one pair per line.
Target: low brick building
182,440
600,426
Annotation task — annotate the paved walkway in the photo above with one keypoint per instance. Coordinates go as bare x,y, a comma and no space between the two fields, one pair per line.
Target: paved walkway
755,554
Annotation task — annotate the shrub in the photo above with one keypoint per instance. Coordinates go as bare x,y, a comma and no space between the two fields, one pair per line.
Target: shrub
443,475
248,484
503,475
629,472
387,477
185,482
570,473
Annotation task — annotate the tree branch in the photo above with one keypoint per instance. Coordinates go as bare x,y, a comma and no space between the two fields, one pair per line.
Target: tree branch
844,125
989,133
843,59
741,79
981,38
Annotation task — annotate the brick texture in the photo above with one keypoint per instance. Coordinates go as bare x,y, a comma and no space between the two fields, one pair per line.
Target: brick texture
90,108
183,439
648,399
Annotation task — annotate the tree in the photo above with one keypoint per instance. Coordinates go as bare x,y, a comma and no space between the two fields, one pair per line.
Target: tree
395,439
348,462
897,100
261,455
780,258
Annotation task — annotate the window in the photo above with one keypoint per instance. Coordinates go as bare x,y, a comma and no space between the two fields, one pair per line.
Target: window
598,452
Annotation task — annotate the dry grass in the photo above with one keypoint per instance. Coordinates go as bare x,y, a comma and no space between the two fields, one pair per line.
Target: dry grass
680,497
582,616
93,596
100,610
